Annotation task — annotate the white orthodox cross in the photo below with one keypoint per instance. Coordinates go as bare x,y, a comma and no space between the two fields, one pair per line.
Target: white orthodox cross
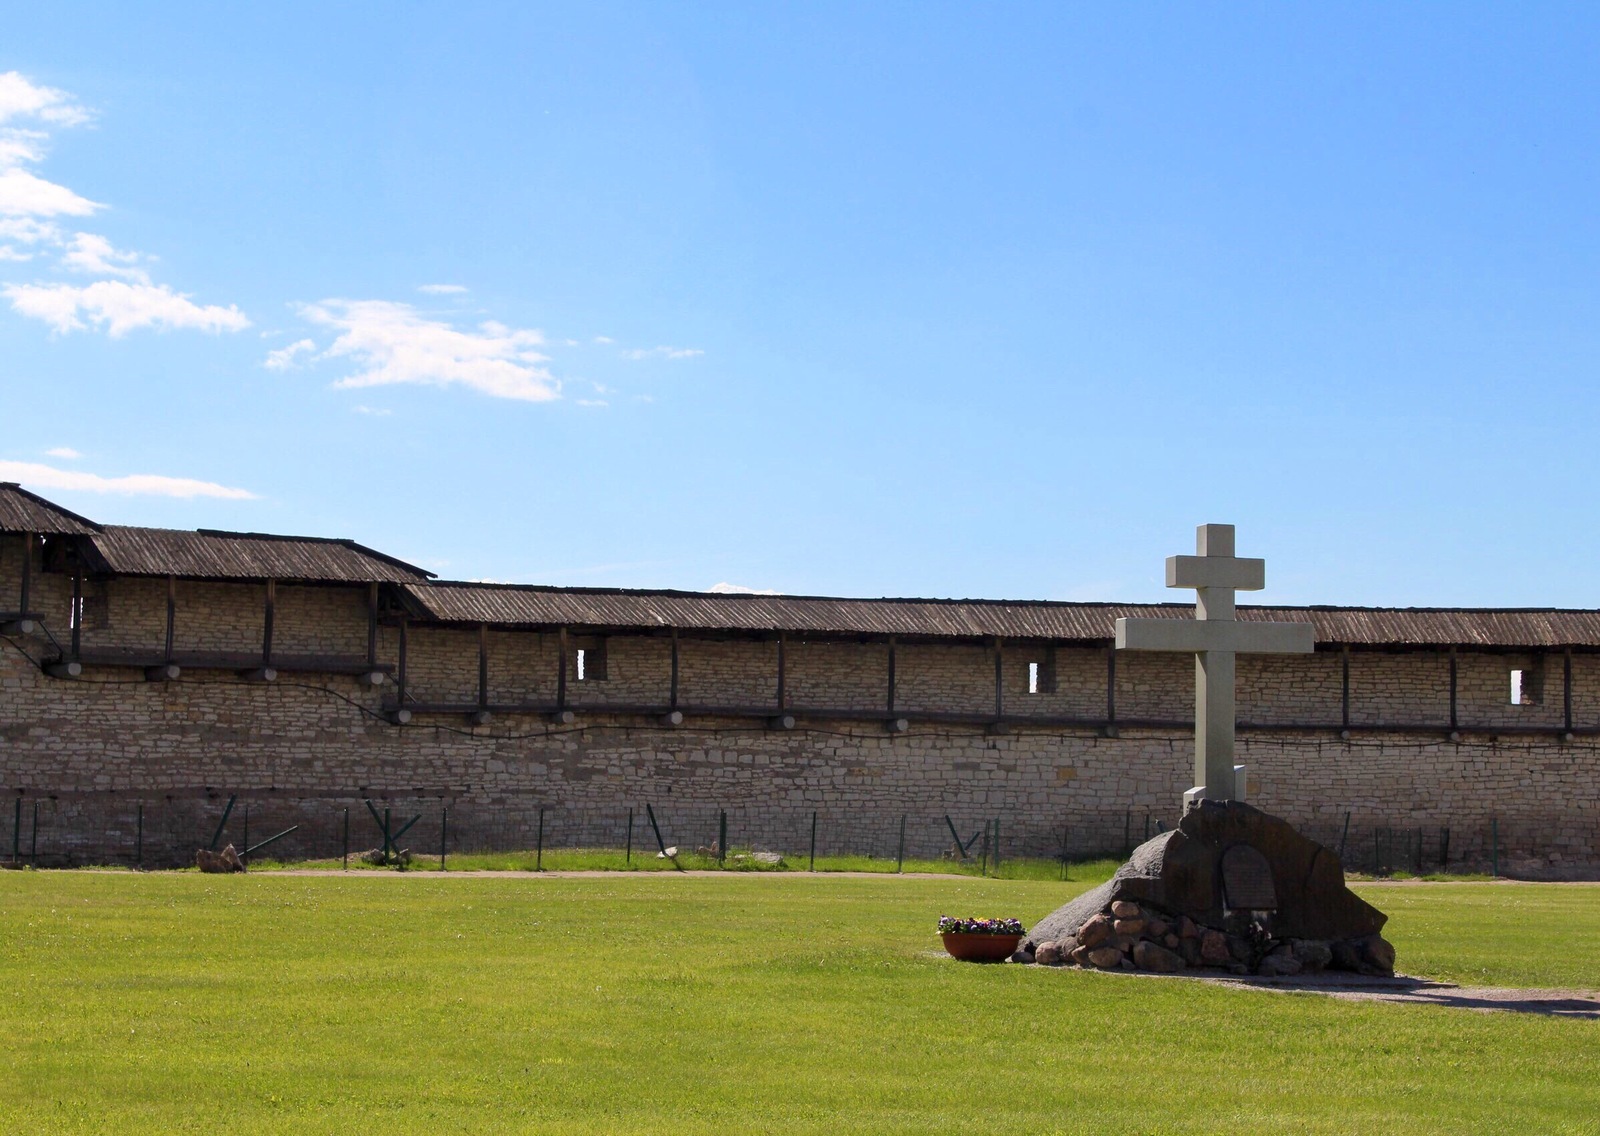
1215,637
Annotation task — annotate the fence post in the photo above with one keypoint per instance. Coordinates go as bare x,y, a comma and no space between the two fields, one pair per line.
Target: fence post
33,851
1494,846
1127,846
345,867
1066,833
813,840
246,845
444,835
16,833
983,852
538,852
1417,860
997,846
1344,835
722,837
1444,847
900,853
138,839
627,857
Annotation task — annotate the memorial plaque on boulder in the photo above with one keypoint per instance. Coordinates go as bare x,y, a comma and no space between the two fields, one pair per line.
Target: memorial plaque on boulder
1247,880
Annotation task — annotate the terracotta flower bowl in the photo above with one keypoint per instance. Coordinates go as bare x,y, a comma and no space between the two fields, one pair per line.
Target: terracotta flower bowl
970,947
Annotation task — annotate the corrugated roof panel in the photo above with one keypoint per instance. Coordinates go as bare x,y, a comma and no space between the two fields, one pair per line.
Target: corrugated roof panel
122,550
24,512
1085,622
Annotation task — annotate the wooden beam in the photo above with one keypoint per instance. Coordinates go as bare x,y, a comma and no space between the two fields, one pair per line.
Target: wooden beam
269,616
25,593
1111,685
999,678
77,611
1344,687
400,670
783,692
372,626
1454,675
1566,690
483,667
672,701
890,704
172,615
561,671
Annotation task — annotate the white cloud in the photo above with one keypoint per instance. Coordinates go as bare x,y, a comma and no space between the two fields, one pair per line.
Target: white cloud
592,402
23,194
21,99
442,289
374,411
123,298
93,254
726,589
604,340
391,343
119,307
66,452
286,358
662,353
141,484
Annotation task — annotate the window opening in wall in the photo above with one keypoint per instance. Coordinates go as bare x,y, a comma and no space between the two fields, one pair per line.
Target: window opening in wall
1033,678
589,660
1527,685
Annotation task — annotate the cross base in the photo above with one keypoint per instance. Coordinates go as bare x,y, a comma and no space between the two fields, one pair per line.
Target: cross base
1193,797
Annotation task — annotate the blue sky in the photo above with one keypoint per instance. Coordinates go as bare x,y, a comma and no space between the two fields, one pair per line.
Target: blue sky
920,299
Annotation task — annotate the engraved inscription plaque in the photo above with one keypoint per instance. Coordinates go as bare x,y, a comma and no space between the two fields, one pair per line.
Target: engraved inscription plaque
1247,880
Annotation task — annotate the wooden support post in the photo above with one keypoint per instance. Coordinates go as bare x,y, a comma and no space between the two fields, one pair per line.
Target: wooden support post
269,616
999,679
627,856
783,692
1453,685
900,852
1344,687
538,853
400,712
672,696
1111,688
172,616
561,671
483,671
444,835
372,627
890,704
345,866
1566,690
77,613
25,592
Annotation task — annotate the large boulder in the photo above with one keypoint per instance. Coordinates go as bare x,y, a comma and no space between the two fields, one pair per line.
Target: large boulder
1181,873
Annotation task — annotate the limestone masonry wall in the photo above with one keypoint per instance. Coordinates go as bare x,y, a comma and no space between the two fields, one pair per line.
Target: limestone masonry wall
92,750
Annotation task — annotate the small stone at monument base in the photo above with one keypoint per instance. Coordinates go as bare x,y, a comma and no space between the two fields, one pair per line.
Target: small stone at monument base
1214,948
1314,955
1048,954
1190,950
1106,958
1024,957
1126,964
1238,968
1081,956
1127,926
1095,932
1157,928
1377,956
1148,956
1124,909
1188,929
1239,948
1171,942
1280,963
218,862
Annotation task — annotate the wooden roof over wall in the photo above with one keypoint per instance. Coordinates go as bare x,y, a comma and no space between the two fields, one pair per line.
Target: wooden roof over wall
623,609
24,512
207,554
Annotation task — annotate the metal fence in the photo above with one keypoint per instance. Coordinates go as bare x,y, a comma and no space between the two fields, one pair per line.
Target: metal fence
164,831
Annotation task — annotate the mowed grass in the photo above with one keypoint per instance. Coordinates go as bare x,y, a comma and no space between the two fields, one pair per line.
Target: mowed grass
651,1003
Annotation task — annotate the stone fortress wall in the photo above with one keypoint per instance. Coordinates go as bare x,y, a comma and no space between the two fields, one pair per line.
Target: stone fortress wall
1377,745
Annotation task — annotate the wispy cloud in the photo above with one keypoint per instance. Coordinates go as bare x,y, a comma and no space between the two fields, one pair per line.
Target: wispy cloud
124,297
726,589
287,358
67,453
373,411
119,307
662,353
138,484
442,289
392,343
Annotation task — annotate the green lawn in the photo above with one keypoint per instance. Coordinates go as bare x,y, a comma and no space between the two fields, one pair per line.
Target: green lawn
742,1003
